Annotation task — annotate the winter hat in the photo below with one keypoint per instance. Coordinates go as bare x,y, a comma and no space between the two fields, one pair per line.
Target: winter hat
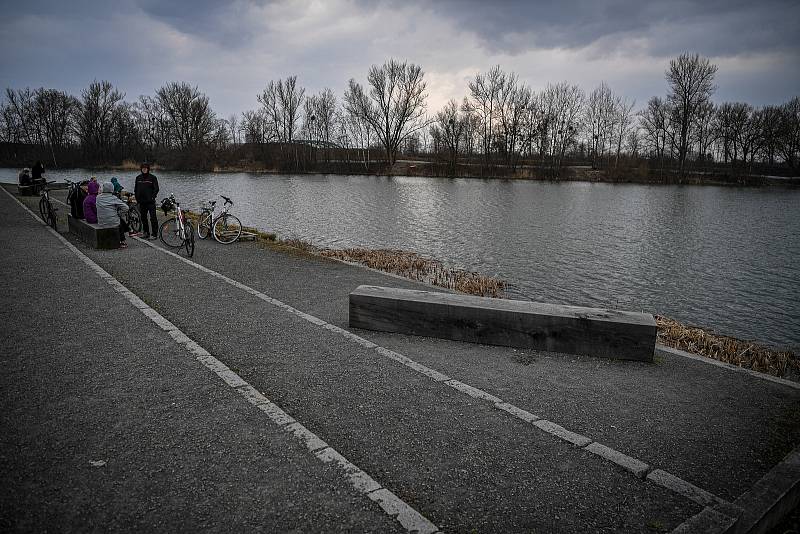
93,188
108,187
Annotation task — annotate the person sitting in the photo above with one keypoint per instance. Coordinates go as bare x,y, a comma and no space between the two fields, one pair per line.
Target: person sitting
24,176
90,203
110,210
117,187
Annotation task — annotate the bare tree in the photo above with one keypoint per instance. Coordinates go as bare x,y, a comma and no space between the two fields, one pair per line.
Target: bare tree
190,119
485,92
789,133
654,121
691,84
394,106
95,118
449,128
623,121
601,116
282,101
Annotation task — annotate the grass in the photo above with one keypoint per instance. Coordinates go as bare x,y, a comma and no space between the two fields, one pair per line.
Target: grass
727,349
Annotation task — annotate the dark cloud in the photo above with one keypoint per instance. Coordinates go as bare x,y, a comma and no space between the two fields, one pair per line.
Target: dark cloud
717,27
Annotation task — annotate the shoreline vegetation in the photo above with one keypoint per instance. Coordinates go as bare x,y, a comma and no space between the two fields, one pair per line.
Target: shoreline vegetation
625,174
413,266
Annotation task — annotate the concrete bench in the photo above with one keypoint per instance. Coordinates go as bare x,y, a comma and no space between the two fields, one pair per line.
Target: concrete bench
102,237
512,323
26,190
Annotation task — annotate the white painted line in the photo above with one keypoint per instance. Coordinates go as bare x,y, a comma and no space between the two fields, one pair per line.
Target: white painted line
358,478
637,467
561,432
681,487
543,424
516,412
412,520
312,442
407,516
473,391
728,366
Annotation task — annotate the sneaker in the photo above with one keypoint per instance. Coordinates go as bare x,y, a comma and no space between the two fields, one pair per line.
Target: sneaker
123,244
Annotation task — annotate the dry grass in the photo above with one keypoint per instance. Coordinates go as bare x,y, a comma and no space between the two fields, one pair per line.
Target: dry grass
727,349
415,267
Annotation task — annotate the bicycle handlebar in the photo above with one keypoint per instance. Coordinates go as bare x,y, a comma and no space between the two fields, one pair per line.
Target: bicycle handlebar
227,200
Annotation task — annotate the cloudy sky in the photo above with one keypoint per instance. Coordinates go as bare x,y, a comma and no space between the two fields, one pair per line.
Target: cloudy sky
232,49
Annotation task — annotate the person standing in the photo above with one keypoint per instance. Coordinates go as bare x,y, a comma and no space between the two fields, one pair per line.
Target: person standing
146,191
37,176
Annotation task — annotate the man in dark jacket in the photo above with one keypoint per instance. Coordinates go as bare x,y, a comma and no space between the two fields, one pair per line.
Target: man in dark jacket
146,191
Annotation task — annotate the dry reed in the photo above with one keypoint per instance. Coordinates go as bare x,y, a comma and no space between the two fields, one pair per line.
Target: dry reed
727,349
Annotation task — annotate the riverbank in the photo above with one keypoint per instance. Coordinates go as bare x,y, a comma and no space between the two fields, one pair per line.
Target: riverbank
639,174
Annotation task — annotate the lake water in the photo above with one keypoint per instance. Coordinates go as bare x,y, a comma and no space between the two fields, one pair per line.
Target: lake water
722,257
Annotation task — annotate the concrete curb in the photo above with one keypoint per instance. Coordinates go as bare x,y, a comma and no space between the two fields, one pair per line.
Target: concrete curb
756,511
730,367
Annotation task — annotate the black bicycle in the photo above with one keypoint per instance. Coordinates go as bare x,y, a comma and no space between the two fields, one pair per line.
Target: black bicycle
133,217
46,209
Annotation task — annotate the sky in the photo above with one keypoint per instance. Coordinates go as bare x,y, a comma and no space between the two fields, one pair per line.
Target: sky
231,50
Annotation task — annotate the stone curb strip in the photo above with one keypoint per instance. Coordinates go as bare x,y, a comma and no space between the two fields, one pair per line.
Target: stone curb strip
392,505
636,467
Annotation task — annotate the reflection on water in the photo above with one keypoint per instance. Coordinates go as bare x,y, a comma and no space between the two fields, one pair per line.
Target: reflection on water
720,257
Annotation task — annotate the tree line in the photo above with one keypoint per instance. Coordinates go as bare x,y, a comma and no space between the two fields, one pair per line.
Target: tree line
500,125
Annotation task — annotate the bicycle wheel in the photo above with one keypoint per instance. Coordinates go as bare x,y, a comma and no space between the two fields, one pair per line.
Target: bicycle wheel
43,208
170,233
204,225
51,217
134,219
188,242
227,228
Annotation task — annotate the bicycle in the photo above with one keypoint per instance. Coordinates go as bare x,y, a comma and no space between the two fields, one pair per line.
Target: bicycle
226,227
46,209
176,231
133,217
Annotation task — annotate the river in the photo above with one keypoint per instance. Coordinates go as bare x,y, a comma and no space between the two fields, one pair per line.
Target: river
727,258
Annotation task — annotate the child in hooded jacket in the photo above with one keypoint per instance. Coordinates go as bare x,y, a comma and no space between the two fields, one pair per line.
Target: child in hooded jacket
110,210
90,202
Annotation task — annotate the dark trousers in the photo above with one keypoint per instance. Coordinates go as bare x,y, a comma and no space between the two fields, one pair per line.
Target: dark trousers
144,209
123,227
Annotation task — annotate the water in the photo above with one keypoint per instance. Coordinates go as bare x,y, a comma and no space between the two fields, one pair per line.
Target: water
721,257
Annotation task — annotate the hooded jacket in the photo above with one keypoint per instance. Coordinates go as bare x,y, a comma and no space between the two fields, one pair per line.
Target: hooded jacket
90,203
109,207
117,186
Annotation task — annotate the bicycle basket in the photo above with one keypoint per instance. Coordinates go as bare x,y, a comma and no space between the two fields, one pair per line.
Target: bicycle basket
167,205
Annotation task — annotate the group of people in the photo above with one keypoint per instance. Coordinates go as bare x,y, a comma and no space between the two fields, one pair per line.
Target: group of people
33,176
103,203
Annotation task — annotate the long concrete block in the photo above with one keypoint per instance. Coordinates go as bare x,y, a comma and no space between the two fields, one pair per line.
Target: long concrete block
101,237
514,323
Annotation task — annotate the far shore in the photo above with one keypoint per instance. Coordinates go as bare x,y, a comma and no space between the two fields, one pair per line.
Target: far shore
422,169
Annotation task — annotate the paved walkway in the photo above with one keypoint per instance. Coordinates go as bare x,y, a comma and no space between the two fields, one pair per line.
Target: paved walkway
184,450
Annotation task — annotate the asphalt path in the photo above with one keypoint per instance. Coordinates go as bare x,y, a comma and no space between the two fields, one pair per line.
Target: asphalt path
460,462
